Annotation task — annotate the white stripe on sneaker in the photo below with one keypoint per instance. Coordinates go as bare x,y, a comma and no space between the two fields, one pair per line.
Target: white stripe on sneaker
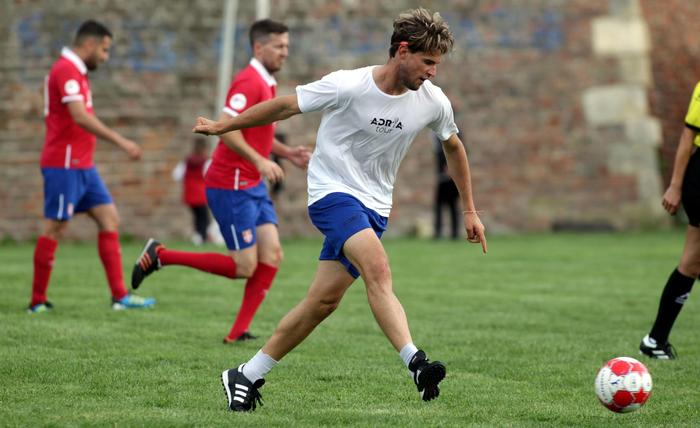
145,250
224,381
243,387
239,399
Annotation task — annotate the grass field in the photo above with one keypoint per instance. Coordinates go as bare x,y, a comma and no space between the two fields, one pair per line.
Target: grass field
522,331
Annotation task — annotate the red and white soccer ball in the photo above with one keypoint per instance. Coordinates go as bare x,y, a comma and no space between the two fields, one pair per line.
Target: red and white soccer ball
623,384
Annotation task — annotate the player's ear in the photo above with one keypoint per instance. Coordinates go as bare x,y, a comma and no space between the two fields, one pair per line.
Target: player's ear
403,50
256,47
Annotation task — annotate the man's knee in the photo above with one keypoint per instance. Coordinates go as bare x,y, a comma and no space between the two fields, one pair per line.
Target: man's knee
377,275
55,229
690,269
323,307
245,268
246,261
106,217
272,256
111,222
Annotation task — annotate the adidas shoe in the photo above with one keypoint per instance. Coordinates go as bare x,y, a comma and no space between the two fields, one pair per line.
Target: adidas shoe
132,301
40,307
427,375
242,394
650,348
242,338
147,263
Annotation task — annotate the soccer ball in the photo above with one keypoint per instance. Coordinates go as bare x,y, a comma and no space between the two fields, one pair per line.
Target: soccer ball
623,384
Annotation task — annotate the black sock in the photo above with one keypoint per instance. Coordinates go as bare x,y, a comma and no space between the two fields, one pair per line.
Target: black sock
672,299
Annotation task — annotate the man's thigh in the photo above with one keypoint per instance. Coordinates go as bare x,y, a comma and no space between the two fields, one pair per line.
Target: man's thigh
365,251
330,282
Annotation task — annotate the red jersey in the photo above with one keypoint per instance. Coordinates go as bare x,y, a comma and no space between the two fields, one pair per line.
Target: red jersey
66,145
229,170
194,192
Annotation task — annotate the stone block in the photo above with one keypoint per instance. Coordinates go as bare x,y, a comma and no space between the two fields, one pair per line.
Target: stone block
613,104
617,36
635,69
643,130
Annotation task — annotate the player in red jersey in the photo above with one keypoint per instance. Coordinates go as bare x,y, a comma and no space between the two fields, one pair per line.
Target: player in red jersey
236,193
191,172
71,182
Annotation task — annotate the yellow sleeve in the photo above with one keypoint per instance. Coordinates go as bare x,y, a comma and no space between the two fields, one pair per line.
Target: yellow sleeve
692,118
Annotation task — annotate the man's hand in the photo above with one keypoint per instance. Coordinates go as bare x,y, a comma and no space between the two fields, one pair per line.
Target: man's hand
672,199
299,156
206,126
475,230
132,149
269,170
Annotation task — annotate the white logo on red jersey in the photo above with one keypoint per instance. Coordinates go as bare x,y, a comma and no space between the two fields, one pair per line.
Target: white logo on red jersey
72,87
238,101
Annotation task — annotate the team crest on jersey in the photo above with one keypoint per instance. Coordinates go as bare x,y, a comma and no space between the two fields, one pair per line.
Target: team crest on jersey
238,101
72,87
386,126
247,236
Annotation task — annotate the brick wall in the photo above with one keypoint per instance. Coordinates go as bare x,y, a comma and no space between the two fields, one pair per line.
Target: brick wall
676,68
517,79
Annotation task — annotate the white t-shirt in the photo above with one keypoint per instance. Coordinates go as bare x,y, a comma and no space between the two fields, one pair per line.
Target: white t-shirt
365,133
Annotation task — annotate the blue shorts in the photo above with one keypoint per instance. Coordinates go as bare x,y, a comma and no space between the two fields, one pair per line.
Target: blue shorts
339,216
70,191
239,212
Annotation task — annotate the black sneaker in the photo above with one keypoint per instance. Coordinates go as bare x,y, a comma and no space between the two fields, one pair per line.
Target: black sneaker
242,394
242,338
427,375
650,348
147,263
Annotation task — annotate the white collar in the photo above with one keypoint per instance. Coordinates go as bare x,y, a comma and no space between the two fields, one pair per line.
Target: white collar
262,71
75,59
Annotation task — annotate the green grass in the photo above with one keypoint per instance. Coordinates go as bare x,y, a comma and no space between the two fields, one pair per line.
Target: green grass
522,331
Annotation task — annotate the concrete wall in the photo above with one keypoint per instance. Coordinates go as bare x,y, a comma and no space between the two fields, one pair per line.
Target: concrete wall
552,97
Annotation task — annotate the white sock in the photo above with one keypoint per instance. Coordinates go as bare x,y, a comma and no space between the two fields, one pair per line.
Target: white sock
258,366
407,352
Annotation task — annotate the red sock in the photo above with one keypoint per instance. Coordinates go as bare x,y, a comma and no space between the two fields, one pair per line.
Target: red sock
111,256
255,291
218,264
43,263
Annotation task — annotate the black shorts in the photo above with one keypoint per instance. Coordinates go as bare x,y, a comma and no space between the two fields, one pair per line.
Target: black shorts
691,189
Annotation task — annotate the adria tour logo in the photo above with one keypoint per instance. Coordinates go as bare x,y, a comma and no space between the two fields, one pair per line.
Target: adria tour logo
386,126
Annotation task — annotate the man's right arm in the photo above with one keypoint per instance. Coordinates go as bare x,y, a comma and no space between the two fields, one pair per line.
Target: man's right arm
95,126
672,197
267,112
236,142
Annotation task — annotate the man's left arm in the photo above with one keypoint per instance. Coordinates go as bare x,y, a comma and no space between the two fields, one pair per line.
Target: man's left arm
299,155
458,169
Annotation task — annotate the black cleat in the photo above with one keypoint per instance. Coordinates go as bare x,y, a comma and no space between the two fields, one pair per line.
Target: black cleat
245,336
147,263
650,348
427,375
40,307
242,394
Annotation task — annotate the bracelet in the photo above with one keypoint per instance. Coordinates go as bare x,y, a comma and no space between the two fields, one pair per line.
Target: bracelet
472,212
